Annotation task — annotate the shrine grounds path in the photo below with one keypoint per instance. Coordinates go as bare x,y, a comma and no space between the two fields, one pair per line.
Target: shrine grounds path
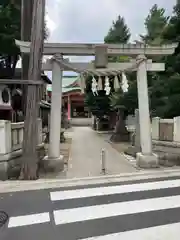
85,155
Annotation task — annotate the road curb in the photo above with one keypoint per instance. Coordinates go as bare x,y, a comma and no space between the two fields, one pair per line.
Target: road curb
14,186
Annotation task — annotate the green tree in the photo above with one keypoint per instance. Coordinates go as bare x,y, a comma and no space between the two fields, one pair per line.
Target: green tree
118,33
100,105
10,29
128,100
165,92
155,24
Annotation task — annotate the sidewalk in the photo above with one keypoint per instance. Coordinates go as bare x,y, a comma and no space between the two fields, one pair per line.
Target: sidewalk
85,156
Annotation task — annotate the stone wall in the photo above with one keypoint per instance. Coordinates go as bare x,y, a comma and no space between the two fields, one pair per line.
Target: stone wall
81,121
166,129
165,139
11,139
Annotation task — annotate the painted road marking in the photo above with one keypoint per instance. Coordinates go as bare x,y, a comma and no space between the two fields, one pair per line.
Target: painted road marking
115,209
29,220
170,231
101,191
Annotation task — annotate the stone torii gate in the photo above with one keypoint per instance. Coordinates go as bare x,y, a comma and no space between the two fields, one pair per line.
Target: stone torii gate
140,63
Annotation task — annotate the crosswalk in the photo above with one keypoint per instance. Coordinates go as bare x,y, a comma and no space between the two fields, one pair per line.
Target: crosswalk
145,209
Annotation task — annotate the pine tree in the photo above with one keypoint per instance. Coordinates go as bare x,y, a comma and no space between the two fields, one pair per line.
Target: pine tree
165,90
9,30
100,105
118,33
155,23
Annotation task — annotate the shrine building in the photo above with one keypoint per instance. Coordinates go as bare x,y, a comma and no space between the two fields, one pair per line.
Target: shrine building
72,98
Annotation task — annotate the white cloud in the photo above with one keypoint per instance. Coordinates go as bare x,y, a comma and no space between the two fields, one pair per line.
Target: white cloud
50,24
89,21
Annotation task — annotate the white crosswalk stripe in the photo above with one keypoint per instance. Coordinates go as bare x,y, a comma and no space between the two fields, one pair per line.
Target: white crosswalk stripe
144,209
84,214
115,209
29,220
170,231
101,191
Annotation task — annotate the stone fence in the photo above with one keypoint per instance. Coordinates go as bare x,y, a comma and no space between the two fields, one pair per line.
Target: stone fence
81,121
166,129
11,138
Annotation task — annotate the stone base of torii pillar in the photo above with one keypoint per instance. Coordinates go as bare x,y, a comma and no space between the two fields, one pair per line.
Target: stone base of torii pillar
53,164
147,161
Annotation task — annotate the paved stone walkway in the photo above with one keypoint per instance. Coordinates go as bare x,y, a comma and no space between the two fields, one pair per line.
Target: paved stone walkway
85,156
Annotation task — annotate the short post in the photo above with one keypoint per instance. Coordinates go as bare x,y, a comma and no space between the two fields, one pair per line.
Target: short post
103,161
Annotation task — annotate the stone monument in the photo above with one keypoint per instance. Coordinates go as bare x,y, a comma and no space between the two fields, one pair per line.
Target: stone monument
136,144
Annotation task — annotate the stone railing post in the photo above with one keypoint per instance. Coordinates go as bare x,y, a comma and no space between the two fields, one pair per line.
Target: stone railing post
176,135
155,128
5,137
5,147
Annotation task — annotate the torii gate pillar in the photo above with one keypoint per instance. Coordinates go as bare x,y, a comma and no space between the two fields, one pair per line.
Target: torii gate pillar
145,159
54,161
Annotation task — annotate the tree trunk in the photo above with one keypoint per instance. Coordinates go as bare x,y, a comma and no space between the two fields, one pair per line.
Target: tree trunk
29,168
26,26
120,133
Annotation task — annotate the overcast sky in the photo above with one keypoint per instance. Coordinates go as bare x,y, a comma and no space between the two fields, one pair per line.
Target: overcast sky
89,20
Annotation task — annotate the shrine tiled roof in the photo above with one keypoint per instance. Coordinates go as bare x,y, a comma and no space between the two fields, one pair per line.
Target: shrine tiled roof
68,81
66,90
69,84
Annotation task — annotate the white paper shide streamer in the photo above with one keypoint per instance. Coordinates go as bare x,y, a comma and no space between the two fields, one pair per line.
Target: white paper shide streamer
107,86
100,84
94,86
116,83
125,84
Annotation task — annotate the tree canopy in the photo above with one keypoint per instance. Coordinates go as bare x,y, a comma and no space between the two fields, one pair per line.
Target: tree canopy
155,24
165,91
10,29
101,105
164,87
119,32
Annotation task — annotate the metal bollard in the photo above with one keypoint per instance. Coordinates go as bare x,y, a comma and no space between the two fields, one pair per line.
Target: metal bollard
103,161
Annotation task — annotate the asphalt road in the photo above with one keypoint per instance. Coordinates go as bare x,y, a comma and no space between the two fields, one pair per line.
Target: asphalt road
144,209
